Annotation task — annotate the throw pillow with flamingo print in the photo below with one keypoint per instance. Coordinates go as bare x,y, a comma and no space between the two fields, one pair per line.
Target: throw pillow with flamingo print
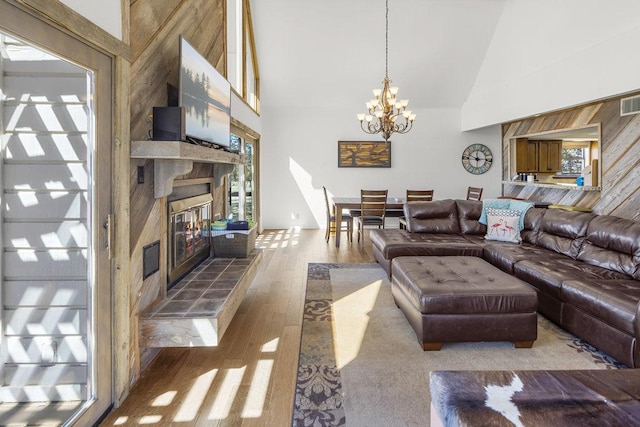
503,225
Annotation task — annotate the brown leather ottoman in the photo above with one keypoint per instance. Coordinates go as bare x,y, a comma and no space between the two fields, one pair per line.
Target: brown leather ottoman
463,299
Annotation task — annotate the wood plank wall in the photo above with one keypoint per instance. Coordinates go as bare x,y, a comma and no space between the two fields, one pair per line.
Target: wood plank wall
155,26
620,161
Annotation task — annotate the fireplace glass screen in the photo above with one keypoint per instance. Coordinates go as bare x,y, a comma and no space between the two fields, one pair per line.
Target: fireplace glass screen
190,233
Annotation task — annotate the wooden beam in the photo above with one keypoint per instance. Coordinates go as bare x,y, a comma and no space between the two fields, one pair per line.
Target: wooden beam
121,271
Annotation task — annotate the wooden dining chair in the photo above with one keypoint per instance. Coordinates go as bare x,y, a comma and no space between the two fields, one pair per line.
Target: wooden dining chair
345,225
419,195
415,196
373,206
474,193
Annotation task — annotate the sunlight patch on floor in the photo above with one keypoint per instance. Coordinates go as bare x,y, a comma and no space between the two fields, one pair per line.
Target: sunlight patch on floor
226,394
164,399
191,404
271,346
353,312
254,405
150,419
120,421
274,239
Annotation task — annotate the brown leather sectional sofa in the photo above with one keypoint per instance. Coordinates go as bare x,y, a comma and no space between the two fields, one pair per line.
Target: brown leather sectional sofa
585,267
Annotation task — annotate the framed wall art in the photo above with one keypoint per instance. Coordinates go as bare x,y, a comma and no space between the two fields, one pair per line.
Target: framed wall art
364,154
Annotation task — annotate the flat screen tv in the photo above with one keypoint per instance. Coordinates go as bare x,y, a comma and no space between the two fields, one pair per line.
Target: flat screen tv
206,97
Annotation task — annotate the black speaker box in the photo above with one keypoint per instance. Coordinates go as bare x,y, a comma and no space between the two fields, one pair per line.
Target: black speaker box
168,124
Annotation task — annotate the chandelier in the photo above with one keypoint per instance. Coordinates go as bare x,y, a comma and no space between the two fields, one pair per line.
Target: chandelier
386,114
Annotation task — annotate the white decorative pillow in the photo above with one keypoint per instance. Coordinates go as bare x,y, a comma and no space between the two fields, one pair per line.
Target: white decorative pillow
503,225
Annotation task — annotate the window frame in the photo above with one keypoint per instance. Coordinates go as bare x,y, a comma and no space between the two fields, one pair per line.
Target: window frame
585,146
246,136
248,48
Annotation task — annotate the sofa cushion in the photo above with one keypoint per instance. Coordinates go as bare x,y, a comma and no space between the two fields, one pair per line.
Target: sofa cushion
613,301
438,216
532,220
523,206
548,274
505,255
613,243
469,212
477,239
394,243
562,231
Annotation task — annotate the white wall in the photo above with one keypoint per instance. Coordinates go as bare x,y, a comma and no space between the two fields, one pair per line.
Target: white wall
548,54
299,154
318,63
106,14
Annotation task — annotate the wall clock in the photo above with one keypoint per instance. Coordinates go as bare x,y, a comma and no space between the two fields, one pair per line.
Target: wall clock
477,158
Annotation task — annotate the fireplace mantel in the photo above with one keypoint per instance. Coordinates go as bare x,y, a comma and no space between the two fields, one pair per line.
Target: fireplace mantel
175,158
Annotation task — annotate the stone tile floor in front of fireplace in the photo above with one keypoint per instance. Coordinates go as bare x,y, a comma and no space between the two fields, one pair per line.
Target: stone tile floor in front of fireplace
204,290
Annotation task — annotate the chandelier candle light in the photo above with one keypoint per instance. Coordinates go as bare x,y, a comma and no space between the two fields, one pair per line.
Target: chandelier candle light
390,114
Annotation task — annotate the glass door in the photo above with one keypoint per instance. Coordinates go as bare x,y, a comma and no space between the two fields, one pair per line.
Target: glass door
55,272
249,182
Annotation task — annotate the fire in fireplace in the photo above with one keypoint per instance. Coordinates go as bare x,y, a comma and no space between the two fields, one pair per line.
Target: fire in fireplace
189,234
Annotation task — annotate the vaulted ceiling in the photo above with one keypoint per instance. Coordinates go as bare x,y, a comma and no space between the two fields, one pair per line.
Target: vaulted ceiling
332,52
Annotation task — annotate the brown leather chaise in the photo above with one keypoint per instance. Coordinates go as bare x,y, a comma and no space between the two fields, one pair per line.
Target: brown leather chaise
441,227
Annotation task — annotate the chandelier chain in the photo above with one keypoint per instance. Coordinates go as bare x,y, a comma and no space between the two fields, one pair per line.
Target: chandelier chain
386,37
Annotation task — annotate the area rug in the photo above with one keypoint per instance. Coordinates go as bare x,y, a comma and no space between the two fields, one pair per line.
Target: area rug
361,364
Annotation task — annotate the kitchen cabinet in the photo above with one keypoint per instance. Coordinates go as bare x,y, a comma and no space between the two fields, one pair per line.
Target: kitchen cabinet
526,155
549,156
538,156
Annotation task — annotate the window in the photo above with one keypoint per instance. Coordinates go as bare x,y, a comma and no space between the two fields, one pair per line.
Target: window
573,160
242,66
575,157
233,192
235,44
252,83
241,182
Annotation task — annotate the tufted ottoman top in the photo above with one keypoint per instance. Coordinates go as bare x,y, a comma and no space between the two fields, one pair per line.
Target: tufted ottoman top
461,285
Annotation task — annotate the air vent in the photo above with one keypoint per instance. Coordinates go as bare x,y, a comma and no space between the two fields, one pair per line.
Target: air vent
630,105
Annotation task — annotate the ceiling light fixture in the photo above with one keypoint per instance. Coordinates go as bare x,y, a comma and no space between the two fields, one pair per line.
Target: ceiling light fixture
385,114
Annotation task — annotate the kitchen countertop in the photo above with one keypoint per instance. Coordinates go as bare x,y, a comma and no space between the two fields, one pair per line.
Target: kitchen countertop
558,186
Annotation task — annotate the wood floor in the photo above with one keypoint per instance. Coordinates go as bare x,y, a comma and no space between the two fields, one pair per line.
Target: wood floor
250,378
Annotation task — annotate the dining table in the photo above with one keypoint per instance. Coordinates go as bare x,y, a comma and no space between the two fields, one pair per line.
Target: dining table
342,203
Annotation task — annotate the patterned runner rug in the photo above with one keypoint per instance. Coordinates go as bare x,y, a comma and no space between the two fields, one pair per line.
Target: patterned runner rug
361,365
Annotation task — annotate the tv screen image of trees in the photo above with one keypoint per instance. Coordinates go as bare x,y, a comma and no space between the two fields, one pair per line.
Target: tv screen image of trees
205,96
